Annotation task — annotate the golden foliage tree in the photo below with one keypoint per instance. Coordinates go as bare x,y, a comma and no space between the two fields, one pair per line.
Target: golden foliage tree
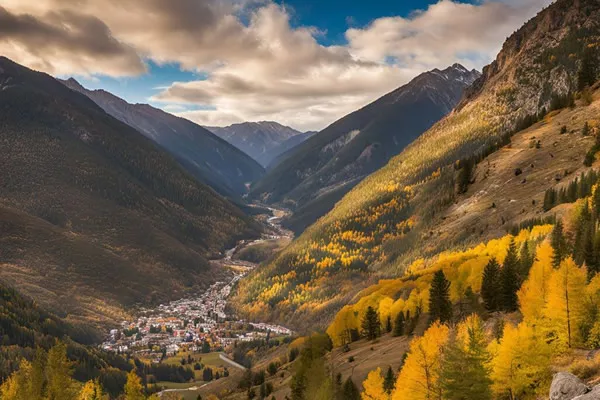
534,291
373,387
521,360
565,307
419,378
133,388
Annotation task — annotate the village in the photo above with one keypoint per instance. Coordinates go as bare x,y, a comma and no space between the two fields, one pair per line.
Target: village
198,324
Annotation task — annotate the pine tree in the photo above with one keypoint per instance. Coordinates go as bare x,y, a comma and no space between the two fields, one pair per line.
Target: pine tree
527,258
588,69
389,382
549,199
399,324
371,328
490,286
440,306
509,279
388,324
558,243
465,373
350,391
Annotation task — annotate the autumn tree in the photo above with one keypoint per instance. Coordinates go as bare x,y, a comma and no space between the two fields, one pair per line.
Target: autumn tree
440,306
509,279
490,286
465,373
370,325
58,374
565,305
533,294
133,388
399,324
419,378
373,387
521,361
92,390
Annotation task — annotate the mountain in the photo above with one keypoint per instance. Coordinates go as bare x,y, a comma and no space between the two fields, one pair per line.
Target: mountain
317,173
207,157
95,217
263,141
284,149
482,169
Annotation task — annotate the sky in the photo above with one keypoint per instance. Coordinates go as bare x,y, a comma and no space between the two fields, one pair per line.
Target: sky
303,63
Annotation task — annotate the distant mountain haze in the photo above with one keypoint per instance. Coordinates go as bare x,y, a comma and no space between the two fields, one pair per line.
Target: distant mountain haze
263,141
313,176
207,157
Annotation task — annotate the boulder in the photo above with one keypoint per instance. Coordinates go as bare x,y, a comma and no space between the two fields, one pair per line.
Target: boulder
593,395
566,386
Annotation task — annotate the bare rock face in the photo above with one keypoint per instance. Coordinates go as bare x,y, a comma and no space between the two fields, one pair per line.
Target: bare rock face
566,386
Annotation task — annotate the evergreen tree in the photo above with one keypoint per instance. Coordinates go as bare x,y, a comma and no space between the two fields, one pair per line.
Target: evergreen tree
509,279
549,199
465,373
440,306
389,382
527,257
371,327
588,69
558,243
388,324
399,324
490,286
350,391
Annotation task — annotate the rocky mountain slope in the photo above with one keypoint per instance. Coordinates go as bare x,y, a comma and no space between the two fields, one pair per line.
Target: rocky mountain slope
207,157
319,172
459,181
95,217
263,141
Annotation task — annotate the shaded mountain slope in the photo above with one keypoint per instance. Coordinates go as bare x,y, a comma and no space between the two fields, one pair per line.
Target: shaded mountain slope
263,141
321,170
93,215
395,216
209,158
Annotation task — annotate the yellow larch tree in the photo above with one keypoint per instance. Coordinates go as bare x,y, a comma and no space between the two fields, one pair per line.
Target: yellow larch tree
419,378
565,307
521,361
92,390
533,294
373,387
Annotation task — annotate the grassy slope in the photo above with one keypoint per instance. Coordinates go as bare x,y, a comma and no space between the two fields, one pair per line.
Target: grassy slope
533,67
93,215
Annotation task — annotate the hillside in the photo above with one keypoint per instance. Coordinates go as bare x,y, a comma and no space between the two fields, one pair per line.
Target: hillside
208,158
94,216
315,175
263,141
411,208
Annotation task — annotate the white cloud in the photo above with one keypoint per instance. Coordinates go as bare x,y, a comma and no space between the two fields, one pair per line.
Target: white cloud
262,69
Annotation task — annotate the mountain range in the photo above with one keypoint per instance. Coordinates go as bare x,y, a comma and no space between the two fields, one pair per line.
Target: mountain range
263,141
94,216
313,176
207,157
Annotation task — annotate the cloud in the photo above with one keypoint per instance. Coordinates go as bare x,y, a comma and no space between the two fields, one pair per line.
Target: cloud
256,65
63,42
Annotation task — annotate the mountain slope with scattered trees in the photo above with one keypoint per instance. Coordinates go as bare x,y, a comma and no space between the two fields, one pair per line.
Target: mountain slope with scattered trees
471,177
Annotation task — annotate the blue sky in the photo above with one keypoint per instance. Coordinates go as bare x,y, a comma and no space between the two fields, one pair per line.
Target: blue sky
303,63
